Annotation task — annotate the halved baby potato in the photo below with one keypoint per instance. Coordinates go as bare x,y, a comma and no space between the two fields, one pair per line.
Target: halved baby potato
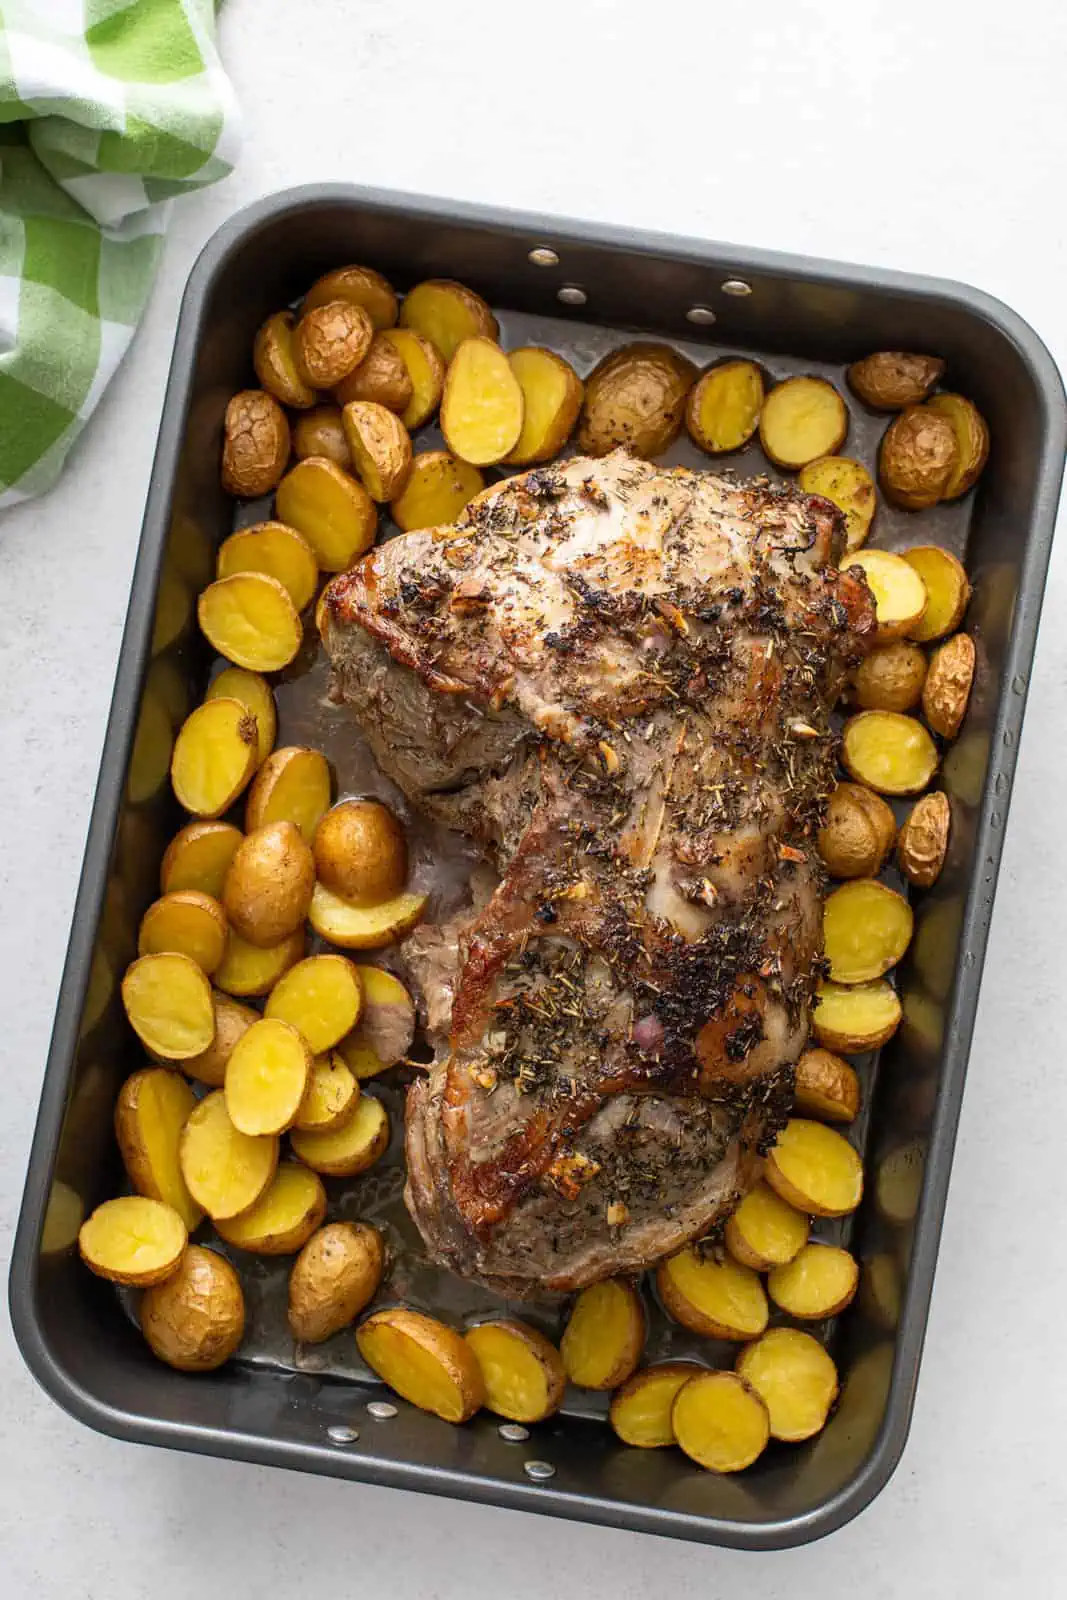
321,997
947,689
850,487
255,445
794,1377
152,1109
482,408
899,592
133,1240
363,927
231,1020
320,432
187,921
360,286
719,1299
282,1221
331,1095
386,1027
330,508
255,694
917,459
346,1151
855,1017
723,409
522,1372
168,1002
604,1336
226,1171
802,419
267,1078
277,550
249,970
552,398
439,487
361,853
292,785
380,447
195,1319
268,887
858,832
890,753
765,1231
948,591
890,380
250,619
891,678
819,1282
972,441
922,843
827,1087
446,313
640,1411
424,1361
635,397
336,1274
330,341
426,369
867,927
815,1169
720,1421
382,376
214,756
275,363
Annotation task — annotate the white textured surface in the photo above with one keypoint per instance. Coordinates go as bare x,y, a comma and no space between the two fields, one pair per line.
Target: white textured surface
927,137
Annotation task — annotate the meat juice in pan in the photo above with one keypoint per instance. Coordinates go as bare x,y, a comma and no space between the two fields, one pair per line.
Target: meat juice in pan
442,865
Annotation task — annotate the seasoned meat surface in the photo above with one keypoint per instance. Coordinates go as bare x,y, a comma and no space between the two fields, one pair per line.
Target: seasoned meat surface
616,678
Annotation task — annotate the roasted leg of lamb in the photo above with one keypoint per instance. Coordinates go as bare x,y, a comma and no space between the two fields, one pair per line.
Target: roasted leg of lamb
617,679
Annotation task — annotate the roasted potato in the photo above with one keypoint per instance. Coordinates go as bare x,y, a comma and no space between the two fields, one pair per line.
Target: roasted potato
231,1020
386,1027
251,620
482,406
923,839
187,921
360,286
346,1151
293,785
133,1240
277,550
719,1299
330,508
765,1231
283,1220
802,419
819,1282
267,1077
852,1018
354,927
168,1003
794,1377
361,853
522,1373
320,432
275,363
331,1095
858,832
889,753
255,694
552,395
899,592
214,756
948,685
321,997
380,447
891,678
335,1275
424,1361
640,1411
255,444
268,887
826,1087
947,591
426,369
150,1113
850,487
225,1171
815,1169
382,376
723,409
604,1336
196,1319
892,380
248,970
330,341
918,458
446,313
866,928
972,440
635,397
720,1421
439,487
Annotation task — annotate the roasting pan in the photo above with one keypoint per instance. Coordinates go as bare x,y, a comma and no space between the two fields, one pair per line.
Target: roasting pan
581,289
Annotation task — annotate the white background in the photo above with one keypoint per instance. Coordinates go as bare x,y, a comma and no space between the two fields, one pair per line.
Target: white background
929,137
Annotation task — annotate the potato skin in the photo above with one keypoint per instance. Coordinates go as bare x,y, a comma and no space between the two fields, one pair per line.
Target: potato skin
268,887
635,397
892,380
335,1275
891,678
380,447
917,459
232,1019
196,1319
360,852
330,341
948,685
255,444
858,832
273,359
826,1087
320,432
923,840
972,436
360,286
381,376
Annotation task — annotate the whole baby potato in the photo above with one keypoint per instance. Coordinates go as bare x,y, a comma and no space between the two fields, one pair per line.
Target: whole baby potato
195,1319
335,1275
890,380
361,853
635,397
269,883
255,444
918,458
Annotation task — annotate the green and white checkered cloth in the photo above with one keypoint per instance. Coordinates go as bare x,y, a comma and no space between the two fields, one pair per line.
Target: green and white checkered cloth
108,109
